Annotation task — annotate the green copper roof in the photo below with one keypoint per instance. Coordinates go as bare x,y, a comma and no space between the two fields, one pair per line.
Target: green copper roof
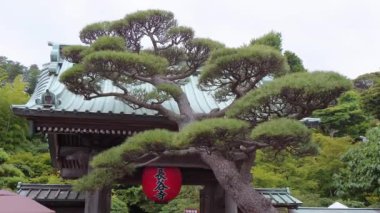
280,197
201,102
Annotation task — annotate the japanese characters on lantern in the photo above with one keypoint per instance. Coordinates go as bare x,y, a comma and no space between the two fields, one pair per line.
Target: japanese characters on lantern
161,184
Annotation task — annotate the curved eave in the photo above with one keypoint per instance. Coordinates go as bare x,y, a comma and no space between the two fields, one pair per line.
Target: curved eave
52,113
50,121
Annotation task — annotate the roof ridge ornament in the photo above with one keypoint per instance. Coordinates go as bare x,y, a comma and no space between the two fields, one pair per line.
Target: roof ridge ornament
48,100
55,58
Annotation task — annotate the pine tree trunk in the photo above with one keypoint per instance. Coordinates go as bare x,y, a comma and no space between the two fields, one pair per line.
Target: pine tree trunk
247,199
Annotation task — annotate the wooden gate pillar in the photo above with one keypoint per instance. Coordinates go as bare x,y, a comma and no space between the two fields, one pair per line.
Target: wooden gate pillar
212,199
98,201
231,206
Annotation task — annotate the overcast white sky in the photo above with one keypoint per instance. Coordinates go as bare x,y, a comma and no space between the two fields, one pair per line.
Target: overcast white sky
338,35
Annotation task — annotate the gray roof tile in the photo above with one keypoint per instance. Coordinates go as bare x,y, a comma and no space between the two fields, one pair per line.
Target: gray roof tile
50,192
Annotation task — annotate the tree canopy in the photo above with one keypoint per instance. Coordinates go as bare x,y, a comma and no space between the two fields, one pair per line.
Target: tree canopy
13,129
9,70
31,76
12,68
261,115
365,81
310,178
22,158
345,118
359,179
371,99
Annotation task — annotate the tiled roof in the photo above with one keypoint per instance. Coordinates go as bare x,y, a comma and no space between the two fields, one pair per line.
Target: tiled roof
50,192
280,197
201,102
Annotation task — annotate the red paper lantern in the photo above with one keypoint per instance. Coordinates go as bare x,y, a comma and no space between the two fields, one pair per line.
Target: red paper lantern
160,184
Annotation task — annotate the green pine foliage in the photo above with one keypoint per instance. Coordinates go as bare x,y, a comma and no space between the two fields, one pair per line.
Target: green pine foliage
284,134
296,95
347,117
173,90
233,71
217,133
143,63
75,53
102,177
93,31
135,147
151,16
181,30
280,127
295,63
109,43
74,74
272,39
205,42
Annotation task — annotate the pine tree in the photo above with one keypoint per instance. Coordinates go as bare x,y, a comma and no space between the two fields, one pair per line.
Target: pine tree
259,116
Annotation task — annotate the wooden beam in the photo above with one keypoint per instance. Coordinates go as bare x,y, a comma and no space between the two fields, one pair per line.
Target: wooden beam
70,173
190,176
70,150
188,161
76,120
